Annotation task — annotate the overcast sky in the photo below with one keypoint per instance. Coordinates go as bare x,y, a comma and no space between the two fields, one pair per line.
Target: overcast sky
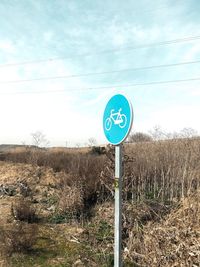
51,39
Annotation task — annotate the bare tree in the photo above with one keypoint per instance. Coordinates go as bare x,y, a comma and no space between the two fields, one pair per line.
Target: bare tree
139,137
39,139
92,141
188,133
157,133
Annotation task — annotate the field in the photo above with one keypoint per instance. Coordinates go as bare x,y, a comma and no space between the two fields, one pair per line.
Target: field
57,205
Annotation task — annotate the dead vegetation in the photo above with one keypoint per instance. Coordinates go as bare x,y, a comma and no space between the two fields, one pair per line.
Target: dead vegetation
174,241
17,237
160,201
22,210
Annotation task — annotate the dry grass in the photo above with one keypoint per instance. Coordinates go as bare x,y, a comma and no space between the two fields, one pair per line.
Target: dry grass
158,176
165,171
175,241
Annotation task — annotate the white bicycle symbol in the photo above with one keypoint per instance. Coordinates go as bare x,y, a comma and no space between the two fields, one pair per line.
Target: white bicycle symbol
117,118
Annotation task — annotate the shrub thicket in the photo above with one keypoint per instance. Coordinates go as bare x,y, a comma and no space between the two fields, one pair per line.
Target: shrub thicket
160,170
163,170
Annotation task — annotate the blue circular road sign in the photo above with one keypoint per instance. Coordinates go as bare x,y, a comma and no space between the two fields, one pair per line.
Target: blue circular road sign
117,119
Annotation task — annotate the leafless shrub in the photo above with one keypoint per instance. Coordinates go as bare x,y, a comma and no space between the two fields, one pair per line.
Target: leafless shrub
18,237
23,211
139,137
71,202
162,170
82,184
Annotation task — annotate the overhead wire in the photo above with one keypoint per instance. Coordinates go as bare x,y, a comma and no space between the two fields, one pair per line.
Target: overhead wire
114,50
107,87
101,73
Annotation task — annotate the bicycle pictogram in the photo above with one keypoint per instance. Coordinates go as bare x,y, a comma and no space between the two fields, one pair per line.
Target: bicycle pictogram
117,118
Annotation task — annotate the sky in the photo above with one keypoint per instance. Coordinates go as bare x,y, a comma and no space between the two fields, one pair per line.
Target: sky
62,60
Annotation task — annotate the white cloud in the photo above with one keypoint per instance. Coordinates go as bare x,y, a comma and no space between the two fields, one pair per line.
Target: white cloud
48,36
99,98
123,33
8,74
196,91
173,118
7,46
192,52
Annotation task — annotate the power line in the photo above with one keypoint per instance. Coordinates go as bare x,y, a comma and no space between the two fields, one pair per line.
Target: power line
108,87
101,73
114,50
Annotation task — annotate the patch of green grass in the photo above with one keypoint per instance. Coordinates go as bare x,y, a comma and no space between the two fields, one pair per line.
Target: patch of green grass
104,232
58,218
33,258
53,249
105,259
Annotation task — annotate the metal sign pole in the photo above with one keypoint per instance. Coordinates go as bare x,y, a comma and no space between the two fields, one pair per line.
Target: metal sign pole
117,123
118,206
